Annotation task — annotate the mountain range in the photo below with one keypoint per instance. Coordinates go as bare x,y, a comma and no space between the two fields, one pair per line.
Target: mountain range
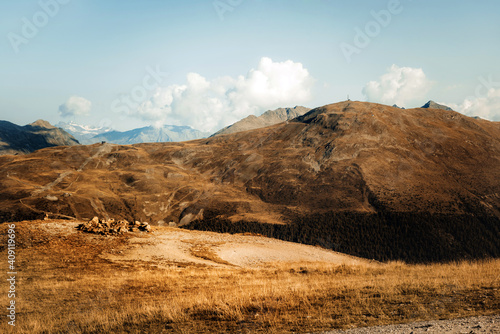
366,179
433,105
62,133
171,133
15,139
83,133
29,141
167,133
150,134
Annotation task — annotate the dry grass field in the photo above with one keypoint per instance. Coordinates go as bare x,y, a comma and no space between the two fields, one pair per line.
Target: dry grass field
65,285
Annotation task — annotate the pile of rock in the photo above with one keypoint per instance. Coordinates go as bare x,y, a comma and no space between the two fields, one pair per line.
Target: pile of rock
113,227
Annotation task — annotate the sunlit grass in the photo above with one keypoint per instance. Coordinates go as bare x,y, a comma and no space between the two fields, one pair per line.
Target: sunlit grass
70,289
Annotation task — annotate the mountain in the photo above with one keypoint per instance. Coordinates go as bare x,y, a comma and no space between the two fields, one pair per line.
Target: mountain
150,134
15,139
366,179
168,133
268,118
83,133
434,105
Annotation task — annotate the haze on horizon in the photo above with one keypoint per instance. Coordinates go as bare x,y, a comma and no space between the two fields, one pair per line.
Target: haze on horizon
207,64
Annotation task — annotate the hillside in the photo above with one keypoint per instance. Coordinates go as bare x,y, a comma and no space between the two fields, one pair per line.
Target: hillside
361,178
270,117
15,139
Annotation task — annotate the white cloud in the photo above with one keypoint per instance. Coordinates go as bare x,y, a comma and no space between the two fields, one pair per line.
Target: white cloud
212,104
75,106
485,106
404,86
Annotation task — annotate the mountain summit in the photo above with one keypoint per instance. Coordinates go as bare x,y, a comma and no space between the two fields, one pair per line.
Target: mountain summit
166,133
268,118
15,139
83,133
433,105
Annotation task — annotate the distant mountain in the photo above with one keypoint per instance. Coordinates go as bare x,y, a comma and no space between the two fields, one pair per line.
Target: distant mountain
268,118
433,105
150,134
83,133
168,133
15,139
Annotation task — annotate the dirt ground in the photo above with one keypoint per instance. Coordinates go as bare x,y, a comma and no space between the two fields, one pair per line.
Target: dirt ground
167,246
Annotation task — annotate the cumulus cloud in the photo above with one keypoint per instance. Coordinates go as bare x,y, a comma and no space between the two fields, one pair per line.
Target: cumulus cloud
486,106
75,106
404,86
209,105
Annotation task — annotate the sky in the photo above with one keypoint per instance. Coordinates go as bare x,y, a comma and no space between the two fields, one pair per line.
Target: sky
206,64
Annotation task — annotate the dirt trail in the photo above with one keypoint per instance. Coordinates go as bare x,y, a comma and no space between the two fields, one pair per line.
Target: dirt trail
49,186
105,148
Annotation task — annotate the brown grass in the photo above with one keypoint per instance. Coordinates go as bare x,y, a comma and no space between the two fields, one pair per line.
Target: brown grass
65,287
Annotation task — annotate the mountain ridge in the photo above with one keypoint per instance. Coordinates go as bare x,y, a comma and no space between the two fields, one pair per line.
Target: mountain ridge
362,178
16,139
270,117
148,134
151,134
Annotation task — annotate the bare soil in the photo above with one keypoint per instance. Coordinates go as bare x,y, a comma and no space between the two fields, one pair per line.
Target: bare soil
473,325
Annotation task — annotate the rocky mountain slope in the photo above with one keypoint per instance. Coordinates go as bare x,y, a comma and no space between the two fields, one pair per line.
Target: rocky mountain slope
433,105
15,139
270,117
362,178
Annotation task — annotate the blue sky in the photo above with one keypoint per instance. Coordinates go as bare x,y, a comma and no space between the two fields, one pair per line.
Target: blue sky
218,61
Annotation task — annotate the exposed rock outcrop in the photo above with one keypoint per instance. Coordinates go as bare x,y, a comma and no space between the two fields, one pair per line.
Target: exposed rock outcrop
113,227
433,105
268,118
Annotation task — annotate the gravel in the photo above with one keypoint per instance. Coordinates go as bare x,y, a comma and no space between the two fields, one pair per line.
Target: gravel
475,325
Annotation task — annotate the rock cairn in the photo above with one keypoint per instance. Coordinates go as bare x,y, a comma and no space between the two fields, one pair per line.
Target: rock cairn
113,227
